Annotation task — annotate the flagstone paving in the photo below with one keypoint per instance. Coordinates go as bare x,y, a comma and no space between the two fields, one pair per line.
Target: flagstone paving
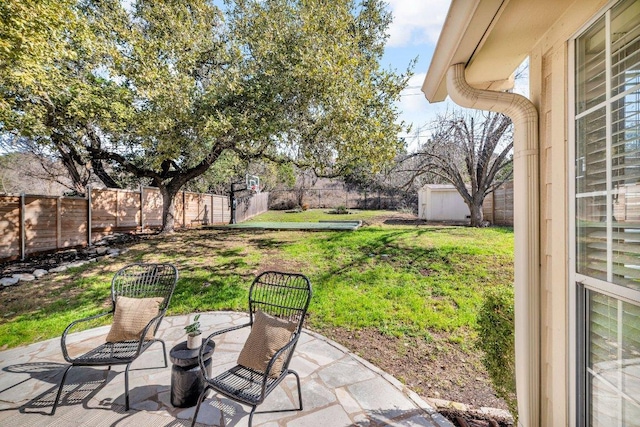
338,387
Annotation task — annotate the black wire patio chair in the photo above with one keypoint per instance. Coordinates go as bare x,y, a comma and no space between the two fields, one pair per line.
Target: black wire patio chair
140,295
278,304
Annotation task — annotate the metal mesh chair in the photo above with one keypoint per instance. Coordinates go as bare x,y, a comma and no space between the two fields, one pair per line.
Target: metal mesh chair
282,295
132,281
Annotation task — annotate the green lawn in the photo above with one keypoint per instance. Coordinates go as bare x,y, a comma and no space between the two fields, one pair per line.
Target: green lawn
403,280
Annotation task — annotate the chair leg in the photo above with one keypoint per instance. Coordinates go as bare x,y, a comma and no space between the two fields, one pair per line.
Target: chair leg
200,400
253,411
164,353
126,387
299,388
64,377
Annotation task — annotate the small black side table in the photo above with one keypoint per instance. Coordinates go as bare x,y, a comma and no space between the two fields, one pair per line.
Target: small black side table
186,378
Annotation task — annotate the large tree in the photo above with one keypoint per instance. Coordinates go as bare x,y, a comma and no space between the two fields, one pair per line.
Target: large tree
472,151
50,87
161,90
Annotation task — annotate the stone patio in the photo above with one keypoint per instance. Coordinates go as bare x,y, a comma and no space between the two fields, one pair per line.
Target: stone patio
338,388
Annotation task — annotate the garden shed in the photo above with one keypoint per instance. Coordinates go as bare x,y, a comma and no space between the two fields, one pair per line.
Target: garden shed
441,202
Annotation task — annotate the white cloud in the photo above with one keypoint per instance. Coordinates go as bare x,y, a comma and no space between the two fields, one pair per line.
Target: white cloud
416,22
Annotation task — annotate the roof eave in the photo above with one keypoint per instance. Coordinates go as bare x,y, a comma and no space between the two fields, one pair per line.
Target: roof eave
464,28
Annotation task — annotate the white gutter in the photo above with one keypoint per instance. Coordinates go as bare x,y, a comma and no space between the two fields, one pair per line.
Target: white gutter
527,231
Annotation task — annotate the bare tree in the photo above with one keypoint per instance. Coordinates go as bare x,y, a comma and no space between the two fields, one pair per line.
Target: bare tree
472,151
25,172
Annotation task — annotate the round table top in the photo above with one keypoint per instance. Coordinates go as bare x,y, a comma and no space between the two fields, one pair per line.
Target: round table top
180,355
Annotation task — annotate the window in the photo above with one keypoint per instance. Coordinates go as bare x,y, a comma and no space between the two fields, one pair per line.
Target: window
607,217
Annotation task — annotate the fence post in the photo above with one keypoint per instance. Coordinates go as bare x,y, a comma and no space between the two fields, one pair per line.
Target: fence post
23,231
117,207
184,211
59,222
494,206
89,224
141,207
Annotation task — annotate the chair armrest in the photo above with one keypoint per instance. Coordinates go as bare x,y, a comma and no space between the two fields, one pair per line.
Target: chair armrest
208,339
287,347
63,339
144,332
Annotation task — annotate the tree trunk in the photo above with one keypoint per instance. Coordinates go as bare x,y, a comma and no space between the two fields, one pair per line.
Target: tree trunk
168,210
476,214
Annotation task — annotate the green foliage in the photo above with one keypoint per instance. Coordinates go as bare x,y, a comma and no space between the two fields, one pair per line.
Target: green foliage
340,210
161,91
193,327
496,340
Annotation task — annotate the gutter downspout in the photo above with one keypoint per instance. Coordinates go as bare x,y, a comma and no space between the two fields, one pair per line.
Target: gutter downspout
527,231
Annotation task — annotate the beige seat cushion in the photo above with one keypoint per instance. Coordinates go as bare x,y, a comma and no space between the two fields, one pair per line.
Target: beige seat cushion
268,335
131,316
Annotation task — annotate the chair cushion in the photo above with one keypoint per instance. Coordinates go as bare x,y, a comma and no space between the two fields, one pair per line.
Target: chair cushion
268,335
131,316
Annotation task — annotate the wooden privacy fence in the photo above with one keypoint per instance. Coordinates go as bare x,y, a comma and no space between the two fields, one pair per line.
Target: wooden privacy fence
498,206
30,224
248,207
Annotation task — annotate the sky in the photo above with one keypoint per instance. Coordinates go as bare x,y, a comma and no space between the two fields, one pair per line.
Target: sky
414,33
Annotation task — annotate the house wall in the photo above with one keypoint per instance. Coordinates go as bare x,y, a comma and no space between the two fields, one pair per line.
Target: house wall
549,91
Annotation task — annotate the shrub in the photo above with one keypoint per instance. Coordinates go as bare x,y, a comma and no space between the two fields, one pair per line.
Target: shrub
340,210
283,205
496,340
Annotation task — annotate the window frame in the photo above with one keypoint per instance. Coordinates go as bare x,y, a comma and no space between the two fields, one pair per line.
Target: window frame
579,285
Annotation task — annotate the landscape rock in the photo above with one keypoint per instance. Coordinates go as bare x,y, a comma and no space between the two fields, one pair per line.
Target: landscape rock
37,266
76,264
59,269
9,281
40,272
69,254
496,412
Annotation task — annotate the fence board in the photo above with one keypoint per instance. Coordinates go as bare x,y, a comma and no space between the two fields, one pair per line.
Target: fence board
498,206
251,206
52,223
73,230
152,208
10,226
40,223
128,209
103,208
220,210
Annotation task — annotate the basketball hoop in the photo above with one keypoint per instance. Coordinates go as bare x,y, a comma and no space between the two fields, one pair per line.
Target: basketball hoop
253,183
